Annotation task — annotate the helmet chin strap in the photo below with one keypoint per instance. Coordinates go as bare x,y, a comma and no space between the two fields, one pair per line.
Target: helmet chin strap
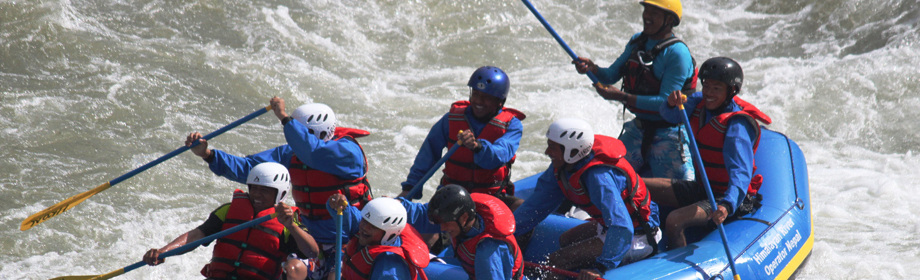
661,29
463,231
728,100
489,117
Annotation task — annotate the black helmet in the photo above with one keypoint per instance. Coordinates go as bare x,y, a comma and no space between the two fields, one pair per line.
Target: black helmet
449,203
725,70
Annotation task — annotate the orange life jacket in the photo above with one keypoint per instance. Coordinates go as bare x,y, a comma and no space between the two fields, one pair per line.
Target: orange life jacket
460,168
710,138
498,224
311,187
359,262
253,253
608,151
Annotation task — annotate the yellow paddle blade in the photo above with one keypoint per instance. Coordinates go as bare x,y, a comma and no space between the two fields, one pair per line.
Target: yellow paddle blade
60,207
109,275
75,277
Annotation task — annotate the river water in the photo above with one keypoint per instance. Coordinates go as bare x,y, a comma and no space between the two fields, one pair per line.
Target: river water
93,89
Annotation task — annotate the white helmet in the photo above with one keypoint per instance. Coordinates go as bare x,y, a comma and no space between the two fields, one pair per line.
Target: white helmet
573,135
387,214
318,118
272,175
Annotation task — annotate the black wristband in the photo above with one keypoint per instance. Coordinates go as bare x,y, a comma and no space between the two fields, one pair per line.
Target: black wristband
210,157
727,206
285,120
478,148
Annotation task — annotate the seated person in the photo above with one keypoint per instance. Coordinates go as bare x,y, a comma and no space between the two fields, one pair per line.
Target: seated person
479,226
590,171
489,132
384,246
260,251
727,131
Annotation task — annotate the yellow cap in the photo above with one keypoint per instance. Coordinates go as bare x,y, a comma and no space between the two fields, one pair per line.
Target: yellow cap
672,6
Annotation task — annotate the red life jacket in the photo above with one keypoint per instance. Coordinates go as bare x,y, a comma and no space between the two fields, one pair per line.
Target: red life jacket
498,224
359,262
608,151
710,138
311,188
639,75
253,253
460,168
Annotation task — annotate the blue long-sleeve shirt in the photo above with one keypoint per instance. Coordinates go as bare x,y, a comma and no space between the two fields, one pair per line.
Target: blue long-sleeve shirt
494,259
604,185
493,155
673,66
738,151
388,265
342,158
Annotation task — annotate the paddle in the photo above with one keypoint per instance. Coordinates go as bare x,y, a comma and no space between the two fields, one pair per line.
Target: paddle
712,200
417,189
559,271
176,251
69,203
558,39
338,242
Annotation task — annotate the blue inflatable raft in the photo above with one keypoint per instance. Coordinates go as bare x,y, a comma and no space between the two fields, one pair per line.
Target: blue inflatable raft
773,242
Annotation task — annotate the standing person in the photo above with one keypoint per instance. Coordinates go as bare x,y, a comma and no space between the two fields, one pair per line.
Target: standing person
589,170
654,64
322,159
481,230
384,247
728,133
490,134
257,252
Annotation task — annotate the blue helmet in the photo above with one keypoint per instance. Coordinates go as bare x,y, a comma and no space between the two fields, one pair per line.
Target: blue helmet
490,80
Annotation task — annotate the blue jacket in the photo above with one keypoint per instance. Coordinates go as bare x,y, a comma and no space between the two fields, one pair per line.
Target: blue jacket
493,258
673,66
738,151
492,155
605,186
388,265
342,158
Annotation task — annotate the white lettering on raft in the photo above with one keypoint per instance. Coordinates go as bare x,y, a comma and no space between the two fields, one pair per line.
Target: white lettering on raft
790,244
772,241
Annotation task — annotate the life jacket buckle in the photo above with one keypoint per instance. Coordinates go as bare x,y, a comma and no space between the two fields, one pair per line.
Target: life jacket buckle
643,56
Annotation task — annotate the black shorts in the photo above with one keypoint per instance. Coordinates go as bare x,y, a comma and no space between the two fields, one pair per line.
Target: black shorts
688,192
691,192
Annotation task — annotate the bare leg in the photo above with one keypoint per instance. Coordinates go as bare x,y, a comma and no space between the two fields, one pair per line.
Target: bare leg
661,191
582,250
295,269
577,234
681,219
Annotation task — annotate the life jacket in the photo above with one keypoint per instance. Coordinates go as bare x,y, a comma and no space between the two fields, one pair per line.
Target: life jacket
710,138
498,224
253,253
460,168
639,75
608,151
359,262
311,187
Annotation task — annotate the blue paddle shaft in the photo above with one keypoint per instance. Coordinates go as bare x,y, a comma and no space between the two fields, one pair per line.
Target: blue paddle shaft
184,148
417,189
338,246
196,243
556,36
712,200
